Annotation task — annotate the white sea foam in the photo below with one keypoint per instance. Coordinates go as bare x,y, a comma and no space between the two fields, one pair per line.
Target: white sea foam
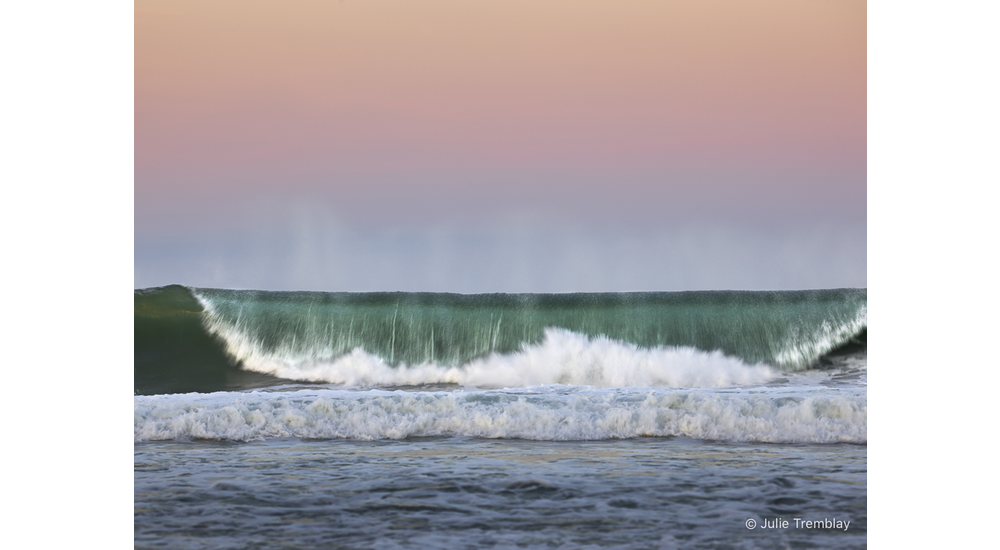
563,357
541,413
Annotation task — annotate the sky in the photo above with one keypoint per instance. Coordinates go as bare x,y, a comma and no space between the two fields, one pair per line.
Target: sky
501,146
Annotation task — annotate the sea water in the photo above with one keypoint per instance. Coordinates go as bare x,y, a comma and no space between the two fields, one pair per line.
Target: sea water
642,420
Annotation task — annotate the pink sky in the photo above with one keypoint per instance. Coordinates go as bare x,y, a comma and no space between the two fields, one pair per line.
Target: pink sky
417,112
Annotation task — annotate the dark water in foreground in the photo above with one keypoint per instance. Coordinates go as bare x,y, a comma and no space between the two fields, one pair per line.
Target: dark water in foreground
484,493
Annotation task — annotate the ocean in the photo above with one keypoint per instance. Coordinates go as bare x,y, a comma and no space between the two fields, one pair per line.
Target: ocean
709,419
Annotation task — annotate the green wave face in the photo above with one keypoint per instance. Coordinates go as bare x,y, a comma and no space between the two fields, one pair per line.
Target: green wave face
788,329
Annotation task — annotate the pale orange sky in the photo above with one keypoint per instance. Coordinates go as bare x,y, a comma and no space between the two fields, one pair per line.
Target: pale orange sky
427,111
